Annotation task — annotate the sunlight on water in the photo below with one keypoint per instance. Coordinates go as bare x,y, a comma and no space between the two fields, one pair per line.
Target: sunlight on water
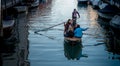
63,9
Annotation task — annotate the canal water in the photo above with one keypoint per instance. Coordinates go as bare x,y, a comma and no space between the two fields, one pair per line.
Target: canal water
46,40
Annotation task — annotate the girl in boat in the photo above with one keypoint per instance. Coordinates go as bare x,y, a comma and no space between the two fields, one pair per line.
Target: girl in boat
68,31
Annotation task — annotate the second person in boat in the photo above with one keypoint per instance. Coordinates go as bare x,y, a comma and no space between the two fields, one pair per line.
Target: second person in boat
78,31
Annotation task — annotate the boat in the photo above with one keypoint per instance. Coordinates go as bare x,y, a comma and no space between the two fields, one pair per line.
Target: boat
115,26
113,2
95,3
108,12
34,4
102,5
113,35
72,48
82,1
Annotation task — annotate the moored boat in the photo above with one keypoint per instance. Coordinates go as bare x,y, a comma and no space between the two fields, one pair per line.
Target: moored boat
115,26
82,1
34,4
113,35
108,12
102,5
95,3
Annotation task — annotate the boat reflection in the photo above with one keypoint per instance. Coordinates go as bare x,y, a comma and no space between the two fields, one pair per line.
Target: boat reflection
73,49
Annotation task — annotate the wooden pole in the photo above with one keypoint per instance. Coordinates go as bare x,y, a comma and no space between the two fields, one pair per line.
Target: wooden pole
1,26
1,31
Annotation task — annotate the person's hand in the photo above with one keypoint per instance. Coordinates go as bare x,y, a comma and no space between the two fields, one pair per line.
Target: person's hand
87,28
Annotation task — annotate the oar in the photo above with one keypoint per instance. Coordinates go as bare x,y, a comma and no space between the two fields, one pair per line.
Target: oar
49,27
45,36
88,34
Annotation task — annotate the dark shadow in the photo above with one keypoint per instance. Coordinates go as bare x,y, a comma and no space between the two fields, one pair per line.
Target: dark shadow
1,60
73,50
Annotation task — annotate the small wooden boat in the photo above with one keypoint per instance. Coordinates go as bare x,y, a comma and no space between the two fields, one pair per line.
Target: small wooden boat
72,48
73,40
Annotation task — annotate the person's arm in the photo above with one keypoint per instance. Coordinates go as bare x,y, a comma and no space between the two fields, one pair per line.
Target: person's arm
72,14
84,29
78,14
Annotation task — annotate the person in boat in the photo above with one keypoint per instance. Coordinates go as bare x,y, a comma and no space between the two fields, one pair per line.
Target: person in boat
66,25
74,16
68,31
78,31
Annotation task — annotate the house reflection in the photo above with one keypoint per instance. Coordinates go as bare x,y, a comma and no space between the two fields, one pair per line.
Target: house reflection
112,43
16,54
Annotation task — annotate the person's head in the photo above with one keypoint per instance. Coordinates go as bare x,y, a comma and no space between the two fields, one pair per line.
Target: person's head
69,21
74,10
77,26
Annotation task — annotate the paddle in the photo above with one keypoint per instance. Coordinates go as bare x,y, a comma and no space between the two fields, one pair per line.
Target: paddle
46,36
49,27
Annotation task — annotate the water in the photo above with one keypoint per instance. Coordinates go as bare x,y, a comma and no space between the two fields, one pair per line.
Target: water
46,47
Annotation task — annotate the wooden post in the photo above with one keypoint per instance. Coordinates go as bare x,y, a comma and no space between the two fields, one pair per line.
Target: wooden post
1,31
1,26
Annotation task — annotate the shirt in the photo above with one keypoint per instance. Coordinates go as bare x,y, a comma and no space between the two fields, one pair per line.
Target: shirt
78,32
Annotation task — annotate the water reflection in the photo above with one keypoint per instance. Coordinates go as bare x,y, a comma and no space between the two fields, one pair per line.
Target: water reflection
16,54
112,43
73,50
